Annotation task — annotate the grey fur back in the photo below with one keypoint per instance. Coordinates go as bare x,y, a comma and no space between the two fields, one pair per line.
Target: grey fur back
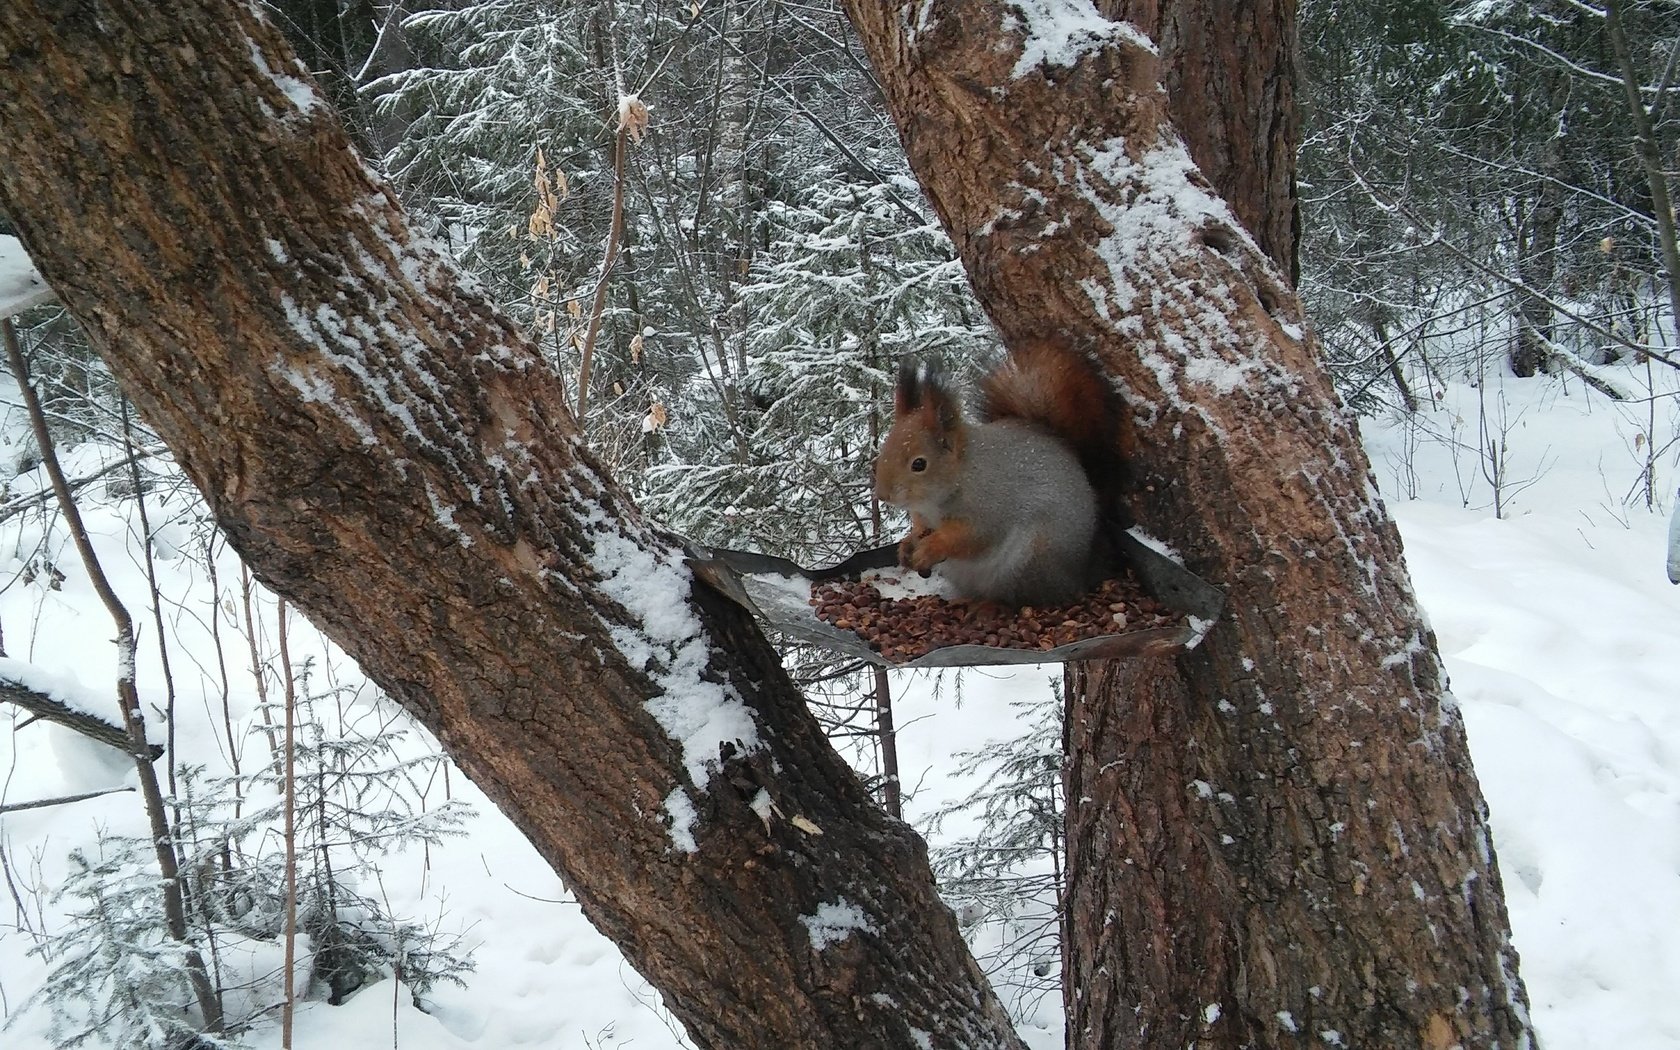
1041,546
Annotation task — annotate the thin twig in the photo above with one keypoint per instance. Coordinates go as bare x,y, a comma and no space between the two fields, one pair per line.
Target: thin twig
157,598
600,303
43,803
290,786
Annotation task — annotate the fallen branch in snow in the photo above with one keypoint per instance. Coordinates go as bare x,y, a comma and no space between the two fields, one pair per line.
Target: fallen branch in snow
1587,374
47,709
42,803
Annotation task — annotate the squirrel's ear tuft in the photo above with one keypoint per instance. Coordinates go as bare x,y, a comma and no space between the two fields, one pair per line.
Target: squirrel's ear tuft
907,395
947,410
921,385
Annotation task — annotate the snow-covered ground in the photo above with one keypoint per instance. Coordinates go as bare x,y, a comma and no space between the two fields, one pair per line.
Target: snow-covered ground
1561,634
1560,631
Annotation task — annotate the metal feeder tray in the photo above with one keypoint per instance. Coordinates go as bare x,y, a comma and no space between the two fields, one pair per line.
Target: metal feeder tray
778,592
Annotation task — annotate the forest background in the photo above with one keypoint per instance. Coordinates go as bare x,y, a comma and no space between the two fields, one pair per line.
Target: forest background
728,288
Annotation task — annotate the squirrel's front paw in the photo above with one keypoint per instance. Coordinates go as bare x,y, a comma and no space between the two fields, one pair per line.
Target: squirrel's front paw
908,545
921,556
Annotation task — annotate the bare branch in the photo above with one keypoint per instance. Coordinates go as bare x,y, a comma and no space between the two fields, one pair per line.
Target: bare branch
17,506
1557,58
65,800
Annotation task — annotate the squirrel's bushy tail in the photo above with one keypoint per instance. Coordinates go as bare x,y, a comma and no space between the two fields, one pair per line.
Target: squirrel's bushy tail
1056,388
1053,386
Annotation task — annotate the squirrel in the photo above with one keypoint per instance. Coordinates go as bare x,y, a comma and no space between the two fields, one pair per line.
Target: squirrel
1002,505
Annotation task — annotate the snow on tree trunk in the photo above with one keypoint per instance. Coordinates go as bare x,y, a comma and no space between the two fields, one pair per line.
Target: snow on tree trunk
1277,840
392,456
1229,71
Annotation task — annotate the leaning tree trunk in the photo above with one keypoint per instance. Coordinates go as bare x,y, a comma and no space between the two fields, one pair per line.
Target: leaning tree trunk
1277,839
392,456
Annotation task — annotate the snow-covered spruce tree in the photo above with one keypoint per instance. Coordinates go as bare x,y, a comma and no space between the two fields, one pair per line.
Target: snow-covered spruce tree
846,286
1005,878
355,803
510,155
495,84
761,132
118,980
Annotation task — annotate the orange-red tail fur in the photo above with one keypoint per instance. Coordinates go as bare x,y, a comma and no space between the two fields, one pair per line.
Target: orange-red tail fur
1056,388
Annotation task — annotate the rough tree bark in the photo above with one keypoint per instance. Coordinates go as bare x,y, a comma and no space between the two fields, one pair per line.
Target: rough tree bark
1276,840
392,456
1229,71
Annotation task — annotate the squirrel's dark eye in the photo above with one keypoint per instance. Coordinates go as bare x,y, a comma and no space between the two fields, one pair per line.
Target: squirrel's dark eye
918,464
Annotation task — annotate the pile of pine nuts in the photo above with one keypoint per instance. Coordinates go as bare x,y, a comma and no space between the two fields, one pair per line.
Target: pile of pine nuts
902,629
